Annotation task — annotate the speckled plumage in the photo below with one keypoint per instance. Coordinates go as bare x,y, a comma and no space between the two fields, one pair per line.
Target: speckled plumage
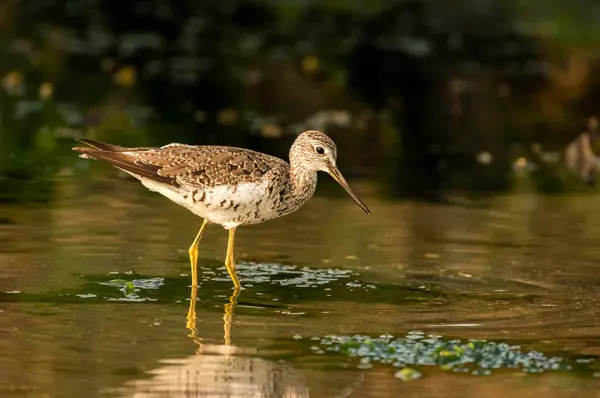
225,185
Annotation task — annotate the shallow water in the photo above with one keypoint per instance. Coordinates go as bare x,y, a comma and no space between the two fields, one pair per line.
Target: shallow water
95,295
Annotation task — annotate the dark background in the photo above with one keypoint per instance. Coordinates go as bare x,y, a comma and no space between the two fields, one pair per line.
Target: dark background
422,97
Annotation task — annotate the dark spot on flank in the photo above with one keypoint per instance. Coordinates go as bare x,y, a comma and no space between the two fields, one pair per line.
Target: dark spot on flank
203,196
236,207
281,195
271,189
222,203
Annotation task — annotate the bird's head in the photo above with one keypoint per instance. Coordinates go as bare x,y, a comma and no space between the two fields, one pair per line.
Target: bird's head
317,152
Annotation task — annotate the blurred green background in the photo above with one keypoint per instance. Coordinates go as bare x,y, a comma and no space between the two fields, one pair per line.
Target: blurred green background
422,97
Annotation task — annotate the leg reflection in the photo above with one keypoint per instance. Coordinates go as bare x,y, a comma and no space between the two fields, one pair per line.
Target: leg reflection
228,315
191,316
228,310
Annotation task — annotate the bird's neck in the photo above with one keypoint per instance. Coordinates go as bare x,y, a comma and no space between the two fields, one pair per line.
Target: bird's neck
303,181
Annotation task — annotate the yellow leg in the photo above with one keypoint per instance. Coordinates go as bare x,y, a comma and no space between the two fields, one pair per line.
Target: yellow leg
194,254
229,263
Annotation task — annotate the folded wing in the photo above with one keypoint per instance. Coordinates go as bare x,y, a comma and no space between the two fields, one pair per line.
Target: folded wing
185,166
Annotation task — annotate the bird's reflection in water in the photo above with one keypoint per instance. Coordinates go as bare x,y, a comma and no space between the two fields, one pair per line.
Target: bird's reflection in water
219,370
227,317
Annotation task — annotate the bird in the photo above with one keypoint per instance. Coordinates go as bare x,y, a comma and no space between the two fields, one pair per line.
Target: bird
227,186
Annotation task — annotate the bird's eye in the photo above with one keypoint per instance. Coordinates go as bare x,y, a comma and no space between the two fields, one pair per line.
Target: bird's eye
320,150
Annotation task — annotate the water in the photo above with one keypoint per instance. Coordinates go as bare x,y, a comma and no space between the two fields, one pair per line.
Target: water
95,297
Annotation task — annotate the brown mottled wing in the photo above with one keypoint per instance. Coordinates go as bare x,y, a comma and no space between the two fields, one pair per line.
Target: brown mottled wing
189,166
209,166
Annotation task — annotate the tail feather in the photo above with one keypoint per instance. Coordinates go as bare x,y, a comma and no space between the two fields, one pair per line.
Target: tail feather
103,145
87,153
126,161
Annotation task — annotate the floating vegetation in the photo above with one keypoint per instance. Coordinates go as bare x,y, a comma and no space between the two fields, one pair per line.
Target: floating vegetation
291,275
130,288
136,284
86,295
408,374
477,357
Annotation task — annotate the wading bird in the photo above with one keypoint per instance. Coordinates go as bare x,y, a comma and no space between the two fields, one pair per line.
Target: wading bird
225,185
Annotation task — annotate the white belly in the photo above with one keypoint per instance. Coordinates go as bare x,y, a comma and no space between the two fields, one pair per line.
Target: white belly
228,206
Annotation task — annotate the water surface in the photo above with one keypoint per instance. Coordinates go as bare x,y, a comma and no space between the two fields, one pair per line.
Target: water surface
95,295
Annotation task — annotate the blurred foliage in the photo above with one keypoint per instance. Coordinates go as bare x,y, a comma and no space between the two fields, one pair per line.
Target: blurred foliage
423,96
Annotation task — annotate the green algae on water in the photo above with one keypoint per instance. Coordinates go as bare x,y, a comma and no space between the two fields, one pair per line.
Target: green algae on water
130,288
135,284
477,357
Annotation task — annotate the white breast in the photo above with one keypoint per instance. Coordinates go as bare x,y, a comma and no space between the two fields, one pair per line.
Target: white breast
226,205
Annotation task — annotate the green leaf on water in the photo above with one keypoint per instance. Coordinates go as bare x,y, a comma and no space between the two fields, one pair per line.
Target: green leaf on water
129,288
408,374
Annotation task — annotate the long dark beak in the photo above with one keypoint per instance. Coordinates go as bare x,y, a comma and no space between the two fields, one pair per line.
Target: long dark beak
335,173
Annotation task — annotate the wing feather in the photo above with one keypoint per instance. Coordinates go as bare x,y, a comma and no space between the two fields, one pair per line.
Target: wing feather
188,166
